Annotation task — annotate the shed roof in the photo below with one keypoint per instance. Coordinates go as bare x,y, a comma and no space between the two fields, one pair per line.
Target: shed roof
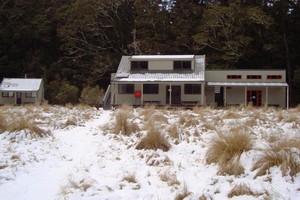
20,84
245,84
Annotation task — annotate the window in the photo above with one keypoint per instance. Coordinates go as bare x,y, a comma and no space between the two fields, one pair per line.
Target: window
8,94
139,65
274,77
192,89
150,88
182,65
30,94
126,88
253,76
234,76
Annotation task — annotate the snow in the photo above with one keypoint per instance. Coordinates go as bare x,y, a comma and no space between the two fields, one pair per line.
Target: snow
85,160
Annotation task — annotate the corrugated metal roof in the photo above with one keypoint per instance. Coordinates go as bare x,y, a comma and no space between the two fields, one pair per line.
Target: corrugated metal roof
159,57
245,84
160,77
20,84
124,74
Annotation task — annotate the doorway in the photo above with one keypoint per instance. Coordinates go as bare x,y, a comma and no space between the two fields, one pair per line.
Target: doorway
19,98
175,95
254,97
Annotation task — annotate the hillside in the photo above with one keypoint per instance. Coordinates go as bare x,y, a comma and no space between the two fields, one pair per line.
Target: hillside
52,152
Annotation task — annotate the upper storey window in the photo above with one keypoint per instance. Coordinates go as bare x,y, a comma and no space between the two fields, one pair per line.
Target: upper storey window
253,76
182,65
139,65
274,77
234,76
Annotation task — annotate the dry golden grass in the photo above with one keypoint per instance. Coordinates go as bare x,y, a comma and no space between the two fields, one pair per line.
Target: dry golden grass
26,125
283,154
173,131
130,178
3,123
183,194
155,160
226,149
122,123
188,120
241,189
170,179
154,140
231,167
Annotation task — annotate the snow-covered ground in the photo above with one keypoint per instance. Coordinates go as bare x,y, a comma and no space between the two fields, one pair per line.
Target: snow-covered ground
83,158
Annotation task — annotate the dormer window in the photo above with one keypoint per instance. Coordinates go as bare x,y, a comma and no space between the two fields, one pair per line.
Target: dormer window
139,65
182,65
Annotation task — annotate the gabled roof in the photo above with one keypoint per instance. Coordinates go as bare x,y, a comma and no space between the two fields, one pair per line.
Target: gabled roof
20,84
125,75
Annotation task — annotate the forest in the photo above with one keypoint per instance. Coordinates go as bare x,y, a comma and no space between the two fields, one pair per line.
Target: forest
77,44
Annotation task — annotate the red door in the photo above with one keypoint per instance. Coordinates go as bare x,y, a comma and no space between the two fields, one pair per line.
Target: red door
254,96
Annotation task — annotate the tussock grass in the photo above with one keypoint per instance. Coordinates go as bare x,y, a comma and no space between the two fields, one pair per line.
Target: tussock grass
226,149
29,127
284,154
130,178
3,123
173,131
241,189
122,123
170,179
154,140
183,194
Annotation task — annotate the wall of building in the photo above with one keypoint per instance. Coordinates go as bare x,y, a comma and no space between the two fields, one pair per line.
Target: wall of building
160,98
221,75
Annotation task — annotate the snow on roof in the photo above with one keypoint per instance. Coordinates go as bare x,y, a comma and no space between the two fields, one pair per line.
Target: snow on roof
150,57
20,84
245,84
124,73
159,77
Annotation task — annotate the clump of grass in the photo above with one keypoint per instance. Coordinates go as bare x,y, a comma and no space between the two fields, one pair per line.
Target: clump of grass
130,178
226,149
29,127
3,123
173,131
154,140
170,179
183,194
122,123
284,154
241,189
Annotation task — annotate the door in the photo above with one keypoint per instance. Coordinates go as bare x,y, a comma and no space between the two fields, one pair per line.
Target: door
219,96
254,96
175,95
19,98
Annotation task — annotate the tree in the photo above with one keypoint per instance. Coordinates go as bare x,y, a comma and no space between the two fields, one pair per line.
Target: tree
67,94
94,34
228,31
92,96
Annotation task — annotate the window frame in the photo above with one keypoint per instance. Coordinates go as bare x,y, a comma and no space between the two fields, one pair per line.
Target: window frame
182,65
192,89
234,76
6,94
152,89
136,65
30,94
125,88
253,76
274,77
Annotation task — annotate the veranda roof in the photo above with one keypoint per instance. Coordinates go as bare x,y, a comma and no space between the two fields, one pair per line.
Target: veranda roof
247,84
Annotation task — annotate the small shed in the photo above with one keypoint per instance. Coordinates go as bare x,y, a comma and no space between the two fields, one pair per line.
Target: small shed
19,91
